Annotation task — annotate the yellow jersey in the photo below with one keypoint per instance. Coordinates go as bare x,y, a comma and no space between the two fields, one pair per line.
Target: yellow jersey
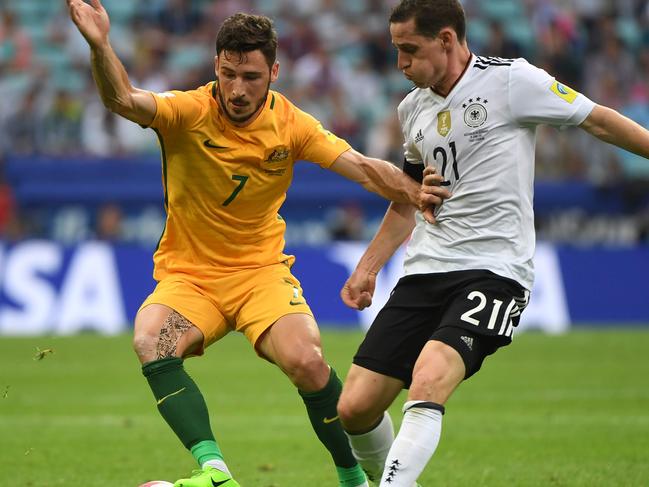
224,185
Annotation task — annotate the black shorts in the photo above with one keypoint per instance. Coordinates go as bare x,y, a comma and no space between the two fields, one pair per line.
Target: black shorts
473,311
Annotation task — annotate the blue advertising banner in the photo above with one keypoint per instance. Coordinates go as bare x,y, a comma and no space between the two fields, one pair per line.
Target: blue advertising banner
49,288
606,285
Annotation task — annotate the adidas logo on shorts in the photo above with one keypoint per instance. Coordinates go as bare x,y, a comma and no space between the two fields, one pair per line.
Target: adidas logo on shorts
468,341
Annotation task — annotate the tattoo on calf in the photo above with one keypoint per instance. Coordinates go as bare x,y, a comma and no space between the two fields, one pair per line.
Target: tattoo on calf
172,329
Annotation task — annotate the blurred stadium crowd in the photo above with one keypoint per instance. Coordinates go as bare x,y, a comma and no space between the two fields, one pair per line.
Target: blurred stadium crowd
336,63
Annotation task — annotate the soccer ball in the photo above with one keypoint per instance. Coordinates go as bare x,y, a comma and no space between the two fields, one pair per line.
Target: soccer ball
157,483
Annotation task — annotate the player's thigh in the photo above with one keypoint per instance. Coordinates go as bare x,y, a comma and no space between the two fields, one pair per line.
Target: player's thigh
290,337
178,315
437,373
267,295
293,344
276,319
366,395
397,336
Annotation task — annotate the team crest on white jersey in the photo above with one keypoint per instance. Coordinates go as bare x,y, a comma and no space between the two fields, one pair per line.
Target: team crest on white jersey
444,123
475,112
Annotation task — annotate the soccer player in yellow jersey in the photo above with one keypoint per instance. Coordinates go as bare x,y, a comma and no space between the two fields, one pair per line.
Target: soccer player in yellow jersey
228,150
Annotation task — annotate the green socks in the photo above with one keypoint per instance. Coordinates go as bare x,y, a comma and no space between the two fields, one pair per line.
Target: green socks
181,404
205,451
351,477
321,407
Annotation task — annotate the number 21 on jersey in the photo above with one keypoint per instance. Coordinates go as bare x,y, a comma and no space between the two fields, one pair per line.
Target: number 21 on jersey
440,155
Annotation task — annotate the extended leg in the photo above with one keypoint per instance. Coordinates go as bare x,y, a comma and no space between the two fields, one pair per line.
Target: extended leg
362,409
438,371
293,344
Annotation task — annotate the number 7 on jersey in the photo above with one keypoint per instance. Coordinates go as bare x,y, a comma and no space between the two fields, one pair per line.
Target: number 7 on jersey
242,182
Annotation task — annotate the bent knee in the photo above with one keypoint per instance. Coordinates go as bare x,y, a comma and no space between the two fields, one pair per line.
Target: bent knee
350,408
145,345
428,380
356,413
307,371
434,385
438,371
165,336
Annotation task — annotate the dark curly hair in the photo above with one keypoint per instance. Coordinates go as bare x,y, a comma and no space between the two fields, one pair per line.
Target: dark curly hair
241,33
431,16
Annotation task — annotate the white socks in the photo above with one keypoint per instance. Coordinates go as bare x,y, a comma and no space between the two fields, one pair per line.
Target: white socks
370,449
414,445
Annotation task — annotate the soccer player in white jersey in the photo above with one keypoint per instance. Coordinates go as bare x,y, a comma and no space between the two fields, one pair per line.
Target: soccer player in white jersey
468,276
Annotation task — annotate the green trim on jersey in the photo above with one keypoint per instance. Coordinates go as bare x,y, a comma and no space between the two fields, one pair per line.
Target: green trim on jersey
164,179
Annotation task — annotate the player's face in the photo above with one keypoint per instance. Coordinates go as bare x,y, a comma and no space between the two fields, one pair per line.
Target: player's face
244,81
423,60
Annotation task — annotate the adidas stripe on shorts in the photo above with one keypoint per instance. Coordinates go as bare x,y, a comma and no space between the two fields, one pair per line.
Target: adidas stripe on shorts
473,311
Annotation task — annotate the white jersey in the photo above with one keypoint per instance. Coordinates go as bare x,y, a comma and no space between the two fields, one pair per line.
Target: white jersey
481,138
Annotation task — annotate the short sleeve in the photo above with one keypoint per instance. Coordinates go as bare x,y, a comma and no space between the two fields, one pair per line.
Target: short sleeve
175,109
535,97
315,143
412,159
411,154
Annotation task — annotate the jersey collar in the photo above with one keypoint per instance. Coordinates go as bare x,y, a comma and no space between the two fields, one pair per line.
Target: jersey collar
457,81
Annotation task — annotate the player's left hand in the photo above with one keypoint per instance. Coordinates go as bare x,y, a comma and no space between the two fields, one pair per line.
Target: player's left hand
432,194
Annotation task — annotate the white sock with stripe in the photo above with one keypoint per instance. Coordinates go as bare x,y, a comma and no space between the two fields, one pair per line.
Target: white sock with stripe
414,445
370,449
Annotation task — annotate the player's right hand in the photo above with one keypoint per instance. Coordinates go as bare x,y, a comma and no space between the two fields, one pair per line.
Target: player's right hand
358,289
91,20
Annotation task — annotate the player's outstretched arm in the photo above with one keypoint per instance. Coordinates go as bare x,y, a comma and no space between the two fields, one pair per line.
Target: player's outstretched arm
385,179
612,127
110,76
396,227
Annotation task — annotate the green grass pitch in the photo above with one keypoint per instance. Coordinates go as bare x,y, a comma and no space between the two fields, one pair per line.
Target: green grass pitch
571,410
